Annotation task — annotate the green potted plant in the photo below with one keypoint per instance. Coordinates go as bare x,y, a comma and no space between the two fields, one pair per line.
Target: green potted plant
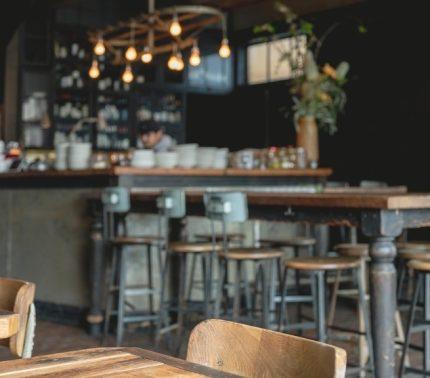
318,98
317,92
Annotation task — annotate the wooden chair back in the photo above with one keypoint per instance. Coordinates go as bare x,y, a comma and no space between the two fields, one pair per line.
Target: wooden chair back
255,352
17,296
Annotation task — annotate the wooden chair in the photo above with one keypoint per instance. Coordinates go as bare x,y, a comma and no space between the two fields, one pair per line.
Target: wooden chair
255,352
18,296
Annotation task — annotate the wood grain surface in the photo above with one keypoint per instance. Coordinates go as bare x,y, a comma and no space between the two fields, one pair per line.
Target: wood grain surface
118,171
256,352
367,200
106,362
9,324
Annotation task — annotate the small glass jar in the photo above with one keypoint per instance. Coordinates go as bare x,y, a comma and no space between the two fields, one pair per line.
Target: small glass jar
301,161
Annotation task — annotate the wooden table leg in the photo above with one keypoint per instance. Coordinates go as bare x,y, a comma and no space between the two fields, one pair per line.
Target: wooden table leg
95,315
383,304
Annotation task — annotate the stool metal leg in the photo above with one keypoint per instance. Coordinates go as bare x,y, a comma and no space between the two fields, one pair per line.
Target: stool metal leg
163,316
248,300
110,281
418,284
264,295
220,289
150,281
321,322
192,273
206,284
236,298
363,305
182,300
333,300
283,292
121,298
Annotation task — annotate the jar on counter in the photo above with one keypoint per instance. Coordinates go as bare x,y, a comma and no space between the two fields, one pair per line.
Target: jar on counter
301,161
273,160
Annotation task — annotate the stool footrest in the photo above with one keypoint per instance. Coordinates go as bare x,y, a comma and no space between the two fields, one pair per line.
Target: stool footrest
298,326
425,373
420,326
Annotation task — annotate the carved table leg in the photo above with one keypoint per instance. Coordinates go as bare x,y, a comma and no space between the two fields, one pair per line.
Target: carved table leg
95,316
383,304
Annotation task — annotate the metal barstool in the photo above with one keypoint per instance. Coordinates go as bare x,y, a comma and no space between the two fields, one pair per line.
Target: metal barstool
421,268
116,201
407,251
302,246
172,205
317,268
228,207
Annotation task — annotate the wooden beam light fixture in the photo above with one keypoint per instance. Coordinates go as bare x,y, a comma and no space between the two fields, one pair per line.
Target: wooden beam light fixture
160,31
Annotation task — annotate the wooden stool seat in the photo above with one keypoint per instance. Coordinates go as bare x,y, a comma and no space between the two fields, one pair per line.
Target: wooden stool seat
135,240
251,254
232,237
296,241
323,263
421,265
414,255
412,246
188,247
352,250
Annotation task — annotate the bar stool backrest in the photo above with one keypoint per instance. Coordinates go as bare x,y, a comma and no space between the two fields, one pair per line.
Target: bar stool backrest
255,352
226,206
171,203
115,200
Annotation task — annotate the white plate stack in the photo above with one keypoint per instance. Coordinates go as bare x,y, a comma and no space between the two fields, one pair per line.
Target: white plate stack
206,157
79,155
61,155
187,155
166,159
221,158
143,159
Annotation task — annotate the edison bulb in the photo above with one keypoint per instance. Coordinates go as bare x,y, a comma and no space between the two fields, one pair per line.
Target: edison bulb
146,55
127,76
224,50
180,65
175,27
99,48
131,54
173,62
195,59
94,71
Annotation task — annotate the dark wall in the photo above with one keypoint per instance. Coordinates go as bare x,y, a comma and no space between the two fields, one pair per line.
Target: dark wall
383,133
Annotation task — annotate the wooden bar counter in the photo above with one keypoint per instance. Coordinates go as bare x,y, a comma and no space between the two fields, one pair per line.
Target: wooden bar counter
156,177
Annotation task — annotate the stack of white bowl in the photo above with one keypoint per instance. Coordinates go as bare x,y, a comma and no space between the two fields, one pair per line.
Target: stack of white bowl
143,159
206,157
61,155
221,158
167,159
187,155
79,155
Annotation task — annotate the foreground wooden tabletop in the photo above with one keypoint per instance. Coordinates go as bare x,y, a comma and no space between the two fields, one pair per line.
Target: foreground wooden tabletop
106,362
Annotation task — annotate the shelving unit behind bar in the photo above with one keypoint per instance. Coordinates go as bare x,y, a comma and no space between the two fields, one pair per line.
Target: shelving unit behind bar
57,77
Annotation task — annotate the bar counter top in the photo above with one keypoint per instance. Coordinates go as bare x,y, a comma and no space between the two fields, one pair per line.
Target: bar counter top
130,176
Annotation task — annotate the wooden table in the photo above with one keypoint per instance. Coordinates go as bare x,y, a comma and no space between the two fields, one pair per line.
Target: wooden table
9,324
381,216
106,362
